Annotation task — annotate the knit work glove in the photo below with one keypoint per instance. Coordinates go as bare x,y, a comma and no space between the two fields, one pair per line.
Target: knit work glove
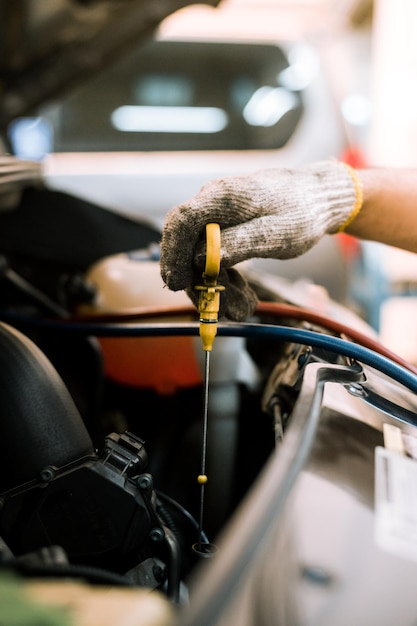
274,213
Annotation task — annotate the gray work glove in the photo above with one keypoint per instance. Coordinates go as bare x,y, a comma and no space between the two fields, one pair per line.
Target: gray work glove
273,213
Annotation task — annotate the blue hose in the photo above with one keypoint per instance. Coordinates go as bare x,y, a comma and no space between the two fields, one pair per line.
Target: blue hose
249,331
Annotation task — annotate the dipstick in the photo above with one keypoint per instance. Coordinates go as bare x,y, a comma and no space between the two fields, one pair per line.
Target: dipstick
208,307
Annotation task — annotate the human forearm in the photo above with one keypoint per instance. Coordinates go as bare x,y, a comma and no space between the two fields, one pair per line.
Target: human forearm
389,212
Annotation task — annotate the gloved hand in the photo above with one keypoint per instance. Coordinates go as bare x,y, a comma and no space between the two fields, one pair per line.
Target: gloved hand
273,213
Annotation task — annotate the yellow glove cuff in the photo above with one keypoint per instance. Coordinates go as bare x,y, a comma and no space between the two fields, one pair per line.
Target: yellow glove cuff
358,201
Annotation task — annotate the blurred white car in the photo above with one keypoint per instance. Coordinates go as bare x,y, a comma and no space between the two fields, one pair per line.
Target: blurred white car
148,132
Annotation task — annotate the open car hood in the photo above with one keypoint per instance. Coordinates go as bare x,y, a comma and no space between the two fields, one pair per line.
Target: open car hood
49,47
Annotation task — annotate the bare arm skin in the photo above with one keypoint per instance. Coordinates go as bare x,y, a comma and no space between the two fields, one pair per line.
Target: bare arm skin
389,212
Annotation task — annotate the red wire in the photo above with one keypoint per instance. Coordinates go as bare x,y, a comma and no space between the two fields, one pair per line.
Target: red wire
299,313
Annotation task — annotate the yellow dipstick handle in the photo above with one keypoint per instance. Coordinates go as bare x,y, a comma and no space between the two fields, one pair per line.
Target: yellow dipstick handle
213,243
209,296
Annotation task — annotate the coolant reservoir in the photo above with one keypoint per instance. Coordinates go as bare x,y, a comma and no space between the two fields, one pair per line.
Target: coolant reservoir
125,283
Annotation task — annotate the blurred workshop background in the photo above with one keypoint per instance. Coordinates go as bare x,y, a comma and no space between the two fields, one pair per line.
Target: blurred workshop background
369,54
349,91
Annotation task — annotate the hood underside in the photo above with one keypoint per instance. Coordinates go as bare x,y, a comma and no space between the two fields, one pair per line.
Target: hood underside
49,47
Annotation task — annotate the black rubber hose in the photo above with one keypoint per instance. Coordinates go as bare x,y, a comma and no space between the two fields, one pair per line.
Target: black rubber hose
92,575
40,425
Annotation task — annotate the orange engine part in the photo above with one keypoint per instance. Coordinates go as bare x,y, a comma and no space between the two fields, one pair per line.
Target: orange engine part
162,364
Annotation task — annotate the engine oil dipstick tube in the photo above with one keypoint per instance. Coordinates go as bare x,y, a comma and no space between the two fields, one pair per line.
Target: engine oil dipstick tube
208,308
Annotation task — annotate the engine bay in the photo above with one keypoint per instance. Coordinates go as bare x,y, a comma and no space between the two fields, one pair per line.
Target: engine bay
100,471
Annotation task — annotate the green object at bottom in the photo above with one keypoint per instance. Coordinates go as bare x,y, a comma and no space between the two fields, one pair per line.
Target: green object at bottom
17,609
